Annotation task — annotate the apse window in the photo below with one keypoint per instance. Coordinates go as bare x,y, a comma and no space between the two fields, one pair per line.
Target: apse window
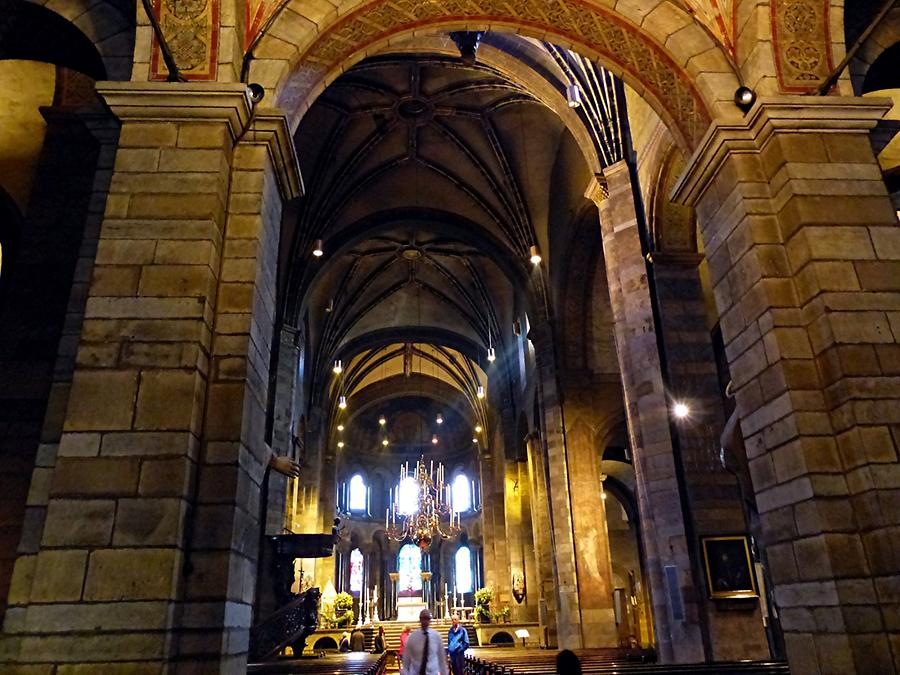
359,495
407,496
356,571
462,493
463,570
409,565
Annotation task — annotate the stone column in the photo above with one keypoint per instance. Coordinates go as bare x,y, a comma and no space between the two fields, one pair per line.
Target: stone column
666,545
545,593
530,606
804,253
559,492
584,405
152,520
514,528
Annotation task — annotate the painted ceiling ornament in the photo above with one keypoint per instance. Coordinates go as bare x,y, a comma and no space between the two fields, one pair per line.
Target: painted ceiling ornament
597,28
801,37
191,27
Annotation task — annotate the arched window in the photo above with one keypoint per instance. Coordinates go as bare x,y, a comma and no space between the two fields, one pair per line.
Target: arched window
409,565
356,571
408,498
359,494
462,493
464,570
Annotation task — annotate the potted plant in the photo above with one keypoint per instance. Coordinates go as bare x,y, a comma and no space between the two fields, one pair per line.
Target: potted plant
343,610
483,599
503,615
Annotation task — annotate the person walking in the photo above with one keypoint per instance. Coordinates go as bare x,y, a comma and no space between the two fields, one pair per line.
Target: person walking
457,644
424,653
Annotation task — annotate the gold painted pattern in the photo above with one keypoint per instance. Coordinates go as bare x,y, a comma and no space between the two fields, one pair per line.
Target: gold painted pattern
573,21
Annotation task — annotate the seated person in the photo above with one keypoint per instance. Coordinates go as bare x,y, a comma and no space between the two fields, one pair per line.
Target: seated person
345,642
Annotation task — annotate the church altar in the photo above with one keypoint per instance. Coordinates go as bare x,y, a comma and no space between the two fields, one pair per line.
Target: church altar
408,609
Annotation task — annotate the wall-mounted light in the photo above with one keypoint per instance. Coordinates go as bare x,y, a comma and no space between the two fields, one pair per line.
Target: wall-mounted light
338,367
477,428
474,440
381,420
573,95
340,427
744,98
434,439
681,410
534,255
480,392
319,248
342,403
385,442
340,444
492,354
440,419
256,92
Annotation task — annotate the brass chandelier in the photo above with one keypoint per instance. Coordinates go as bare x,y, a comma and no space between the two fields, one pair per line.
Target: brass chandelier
433,515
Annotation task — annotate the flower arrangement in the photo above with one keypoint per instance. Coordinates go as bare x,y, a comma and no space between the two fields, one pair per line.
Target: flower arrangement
339,614
483,599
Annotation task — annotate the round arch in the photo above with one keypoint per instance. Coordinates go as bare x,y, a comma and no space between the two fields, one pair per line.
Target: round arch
660,50
94,37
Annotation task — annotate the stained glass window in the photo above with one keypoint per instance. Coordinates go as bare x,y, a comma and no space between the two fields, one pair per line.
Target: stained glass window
358,494
462,494
409,496
409,564
463,570
356,571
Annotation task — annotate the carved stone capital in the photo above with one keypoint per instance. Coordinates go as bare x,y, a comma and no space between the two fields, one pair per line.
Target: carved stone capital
768,117
597,190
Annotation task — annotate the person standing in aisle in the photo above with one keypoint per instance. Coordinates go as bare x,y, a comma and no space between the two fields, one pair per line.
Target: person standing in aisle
424,653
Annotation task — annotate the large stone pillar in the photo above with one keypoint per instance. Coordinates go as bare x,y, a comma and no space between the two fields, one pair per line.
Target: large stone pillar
675,591
804,253
545,592
557,467
584,406
151,534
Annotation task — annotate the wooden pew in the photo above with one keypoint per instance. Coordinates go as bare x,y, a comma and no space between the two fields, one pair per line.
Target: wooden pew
354,663
605,662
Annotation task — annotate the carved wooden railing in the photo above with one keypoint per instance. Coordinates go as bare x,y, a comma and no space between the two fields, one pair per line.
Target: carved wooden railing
290,625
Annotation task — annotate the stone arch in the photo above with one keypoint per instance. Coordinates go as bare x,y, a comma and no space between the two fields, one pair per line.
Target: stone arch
325,643
673,227
885,36
502,638
662,51
109,24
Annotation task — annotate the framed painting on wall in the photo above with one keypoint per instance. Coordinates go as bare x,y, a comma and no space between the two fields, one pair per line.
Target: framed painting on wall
729,569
